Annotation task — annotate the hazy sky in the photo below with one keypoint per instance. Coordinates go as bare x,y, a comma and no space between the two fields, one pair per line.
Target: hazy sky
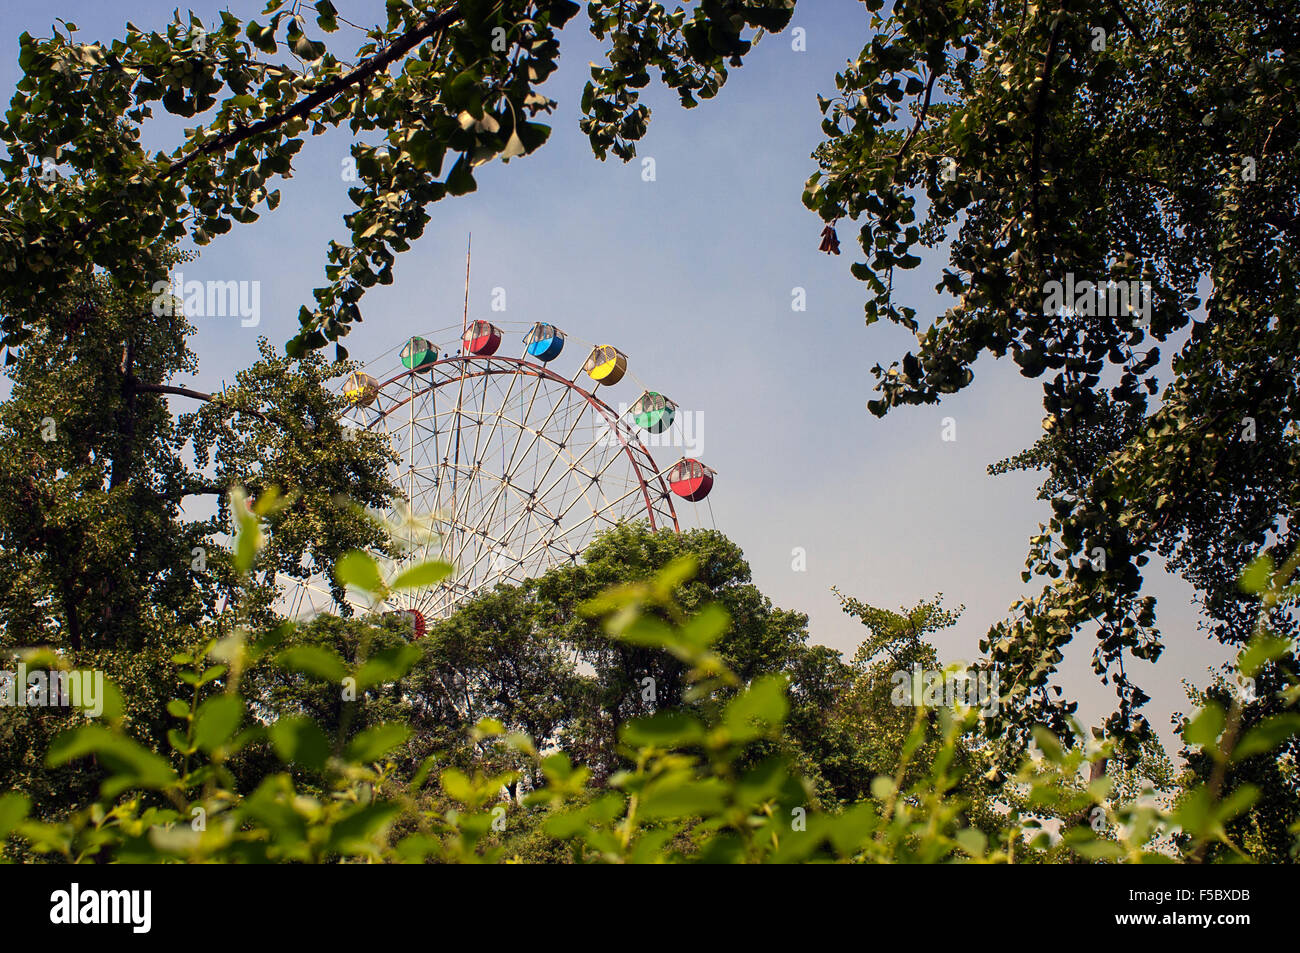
692,275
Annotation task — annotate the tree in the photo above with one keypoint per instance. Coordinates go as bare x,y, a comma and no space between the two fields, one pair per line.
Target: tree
494,659
631,680
280,428
1096,145
98,551
531,658
879,708
99,557
94,549
434,92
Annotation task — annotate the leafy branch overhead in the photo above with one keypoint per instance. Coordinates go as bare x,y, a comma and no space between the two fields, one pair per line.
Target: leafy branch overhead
1143,143
430,95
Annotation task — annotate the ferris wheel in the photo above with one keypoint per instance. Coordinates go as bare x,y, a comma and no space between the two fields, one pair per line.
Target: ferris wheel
509,465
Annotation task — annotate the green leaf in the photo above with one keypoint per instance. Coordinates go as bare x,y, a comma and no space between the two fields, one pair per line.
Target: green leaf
649,632
180,741
262,37
388,665
131,764
972,840
425,574
360,571
1267,735
675,797
1255,578
763,782
763,702
1238,802
1205,728
247,542
216,720
460,181
1049,744
462,93
326,16
313,660
356,832
705,627
114,703
300,740
211,673
676,573
458,786
666,729
1098,850
1261,650
306,49
851,829
13,811
373,744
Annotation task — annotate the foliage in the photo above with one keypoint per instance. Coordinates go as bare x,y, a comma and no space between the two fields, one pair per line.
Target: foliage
691,794
93,548
1243,743
631,680
1151,142
106,552
280,426
431,94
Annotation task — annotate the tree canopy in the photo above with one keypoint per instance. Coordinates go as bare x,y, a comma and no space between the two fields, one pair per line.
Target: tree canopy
435,91
1108,143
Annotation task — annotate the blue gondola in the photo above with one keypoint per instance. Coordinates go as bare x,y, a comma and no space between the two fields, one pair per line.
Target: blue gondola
545,342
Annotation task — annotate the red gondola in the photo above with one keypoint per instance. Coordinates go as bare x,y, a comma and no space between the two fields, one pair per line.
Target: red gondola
690,479
415,619
482,338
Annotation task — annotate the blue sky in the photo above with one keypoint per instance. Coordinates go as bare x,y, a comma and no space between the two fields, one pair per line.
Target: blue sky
692,276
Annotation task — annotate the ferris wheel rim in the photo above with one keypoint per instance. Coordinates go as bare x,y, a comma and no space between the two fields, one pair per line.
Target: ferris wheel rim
518,366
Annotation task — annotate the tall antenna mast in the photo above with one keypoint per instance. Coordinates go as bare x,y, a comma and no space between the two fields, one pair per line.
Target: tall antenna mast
464,325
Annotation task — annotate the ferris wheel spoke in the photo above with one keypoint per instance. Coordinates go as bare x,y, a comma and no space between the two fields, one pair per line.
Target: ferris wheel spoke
575,463
563,444
595,515
575,468
474,479
528,413
525,512
501,407
597,511
583,494
509,467
526,501
484,584
509,470
482,412
458,419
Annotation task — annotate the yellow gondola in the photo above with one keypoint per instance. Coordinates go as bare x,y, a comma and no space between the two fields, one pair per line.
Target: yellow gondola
361,389
606,365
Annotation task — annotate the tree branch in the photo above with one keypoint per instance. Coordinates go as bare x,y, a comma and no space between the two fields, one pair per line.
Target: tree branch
1040,104
920,117
368,68
1123,15
195,395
